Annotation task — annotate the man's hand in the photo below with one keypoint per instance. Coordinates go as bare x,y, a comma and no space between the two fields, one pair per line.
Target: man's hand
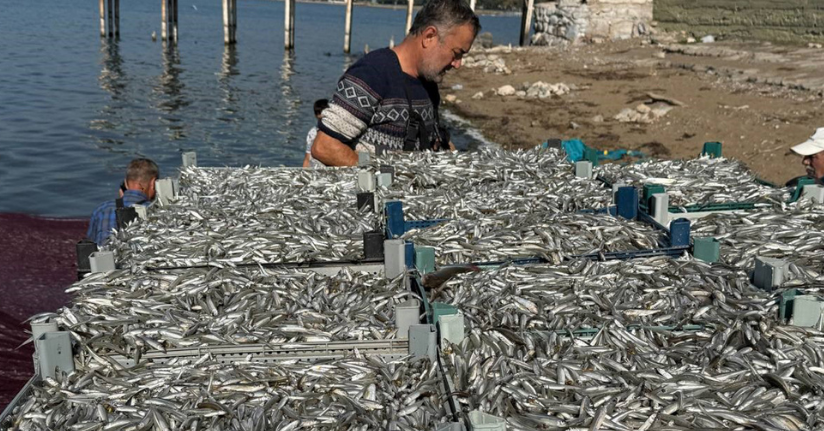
332,152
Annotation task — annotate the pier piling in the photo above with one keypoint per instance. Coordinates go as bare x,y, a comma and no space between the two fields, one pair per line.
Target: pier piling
289,24
230,21
347,37
526,21
409,8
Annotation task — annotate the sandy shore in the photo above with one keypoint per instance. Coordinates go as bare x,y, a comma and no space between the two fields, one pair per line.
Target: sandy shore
757,99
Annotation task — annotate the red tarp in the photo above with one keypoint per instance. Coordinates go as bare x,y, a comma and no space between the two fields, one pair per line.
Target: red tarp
37,263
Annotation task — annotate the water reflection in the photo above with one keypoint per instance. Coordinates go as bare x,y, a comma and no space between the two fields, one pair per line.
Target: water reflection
291,100
170,86
228,70
112,78
348,61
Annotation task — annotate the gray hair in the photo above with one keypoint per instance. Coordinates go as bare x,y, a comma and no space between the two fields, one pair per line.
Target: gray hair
444,15
142,171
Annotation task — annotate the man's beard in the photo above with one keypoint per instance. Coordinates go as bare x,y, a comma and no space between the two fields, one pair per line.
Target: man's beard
434,77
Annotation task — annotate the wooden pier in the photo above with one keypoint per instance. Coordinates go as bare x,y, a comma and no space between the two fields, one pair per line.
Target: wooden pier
169,10
110,18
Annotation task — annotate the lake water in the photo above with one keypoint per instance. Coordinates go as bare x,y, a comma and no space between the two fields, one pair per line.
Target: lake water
74,108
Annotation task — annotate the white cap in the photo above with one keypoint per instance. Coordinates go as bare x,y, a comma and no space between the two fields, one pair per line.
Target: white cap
813,145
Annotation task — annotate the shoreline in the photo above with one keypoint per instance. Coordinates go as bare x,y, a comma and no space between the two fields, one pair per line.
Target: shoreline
757,109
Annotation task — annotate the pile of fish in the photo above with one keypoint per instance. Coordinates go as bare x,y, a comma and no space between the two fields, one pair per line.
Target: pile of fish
252,215
250,185
751,374
697,181
354,393
585,294
794,233
471,185
554,237
121,313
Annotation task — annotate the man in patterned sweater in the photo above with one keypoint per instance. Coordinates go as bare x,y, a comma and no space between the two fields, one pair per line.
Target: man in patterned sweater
388,100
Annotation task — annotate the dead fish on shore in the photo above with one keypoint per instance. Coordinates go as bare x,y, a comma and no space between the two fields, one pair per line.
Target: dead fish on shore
553,237
353,393
122,313
697,181
751,375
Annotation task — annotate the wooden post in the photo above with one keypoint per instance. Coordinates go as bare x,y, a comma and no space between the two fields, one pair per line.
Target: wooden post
294,11
102,18
117,18
232,21
163,20
110,15
287,24
526,21
226,27
347,36
409,9
174,19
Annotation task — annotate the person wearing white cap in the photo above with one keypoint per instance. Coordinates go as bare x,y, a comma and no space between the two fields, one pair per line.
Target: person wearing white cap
813,152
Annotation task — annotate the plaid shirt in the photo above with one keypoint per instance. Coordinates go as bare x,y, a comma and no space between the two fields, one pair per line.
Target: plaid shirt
104,219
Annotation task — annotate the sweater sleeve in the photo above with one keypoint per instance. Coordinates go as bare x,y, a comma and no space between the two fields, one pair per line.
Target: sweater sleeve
357,97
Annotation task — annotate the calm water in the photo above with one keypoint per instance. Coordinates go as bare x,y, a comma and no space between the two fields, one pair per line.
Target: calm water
75,109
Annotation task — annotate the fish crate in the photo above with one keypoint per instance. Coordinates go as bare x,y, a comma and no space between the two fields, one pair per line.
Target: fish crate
397,225
399,381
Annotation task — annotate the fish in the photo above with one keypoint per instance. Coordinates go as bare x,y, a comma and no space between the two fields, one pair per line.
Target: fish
131,314
327,394
794,232
698,181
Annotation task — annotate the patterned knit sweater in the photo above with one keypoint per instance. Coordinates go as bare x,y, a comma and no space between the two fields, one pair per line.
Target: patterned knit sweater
370,109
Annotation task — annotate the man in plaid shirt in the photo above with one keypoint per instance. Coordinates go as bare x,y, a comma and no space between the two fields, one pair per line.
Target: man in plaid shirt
139,190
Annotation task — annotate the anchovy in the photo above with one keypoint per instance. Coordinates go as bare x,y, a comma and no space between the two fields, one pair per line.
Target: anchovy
794,232
353,393
130,314
554,237
628,379
487,182
697,181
